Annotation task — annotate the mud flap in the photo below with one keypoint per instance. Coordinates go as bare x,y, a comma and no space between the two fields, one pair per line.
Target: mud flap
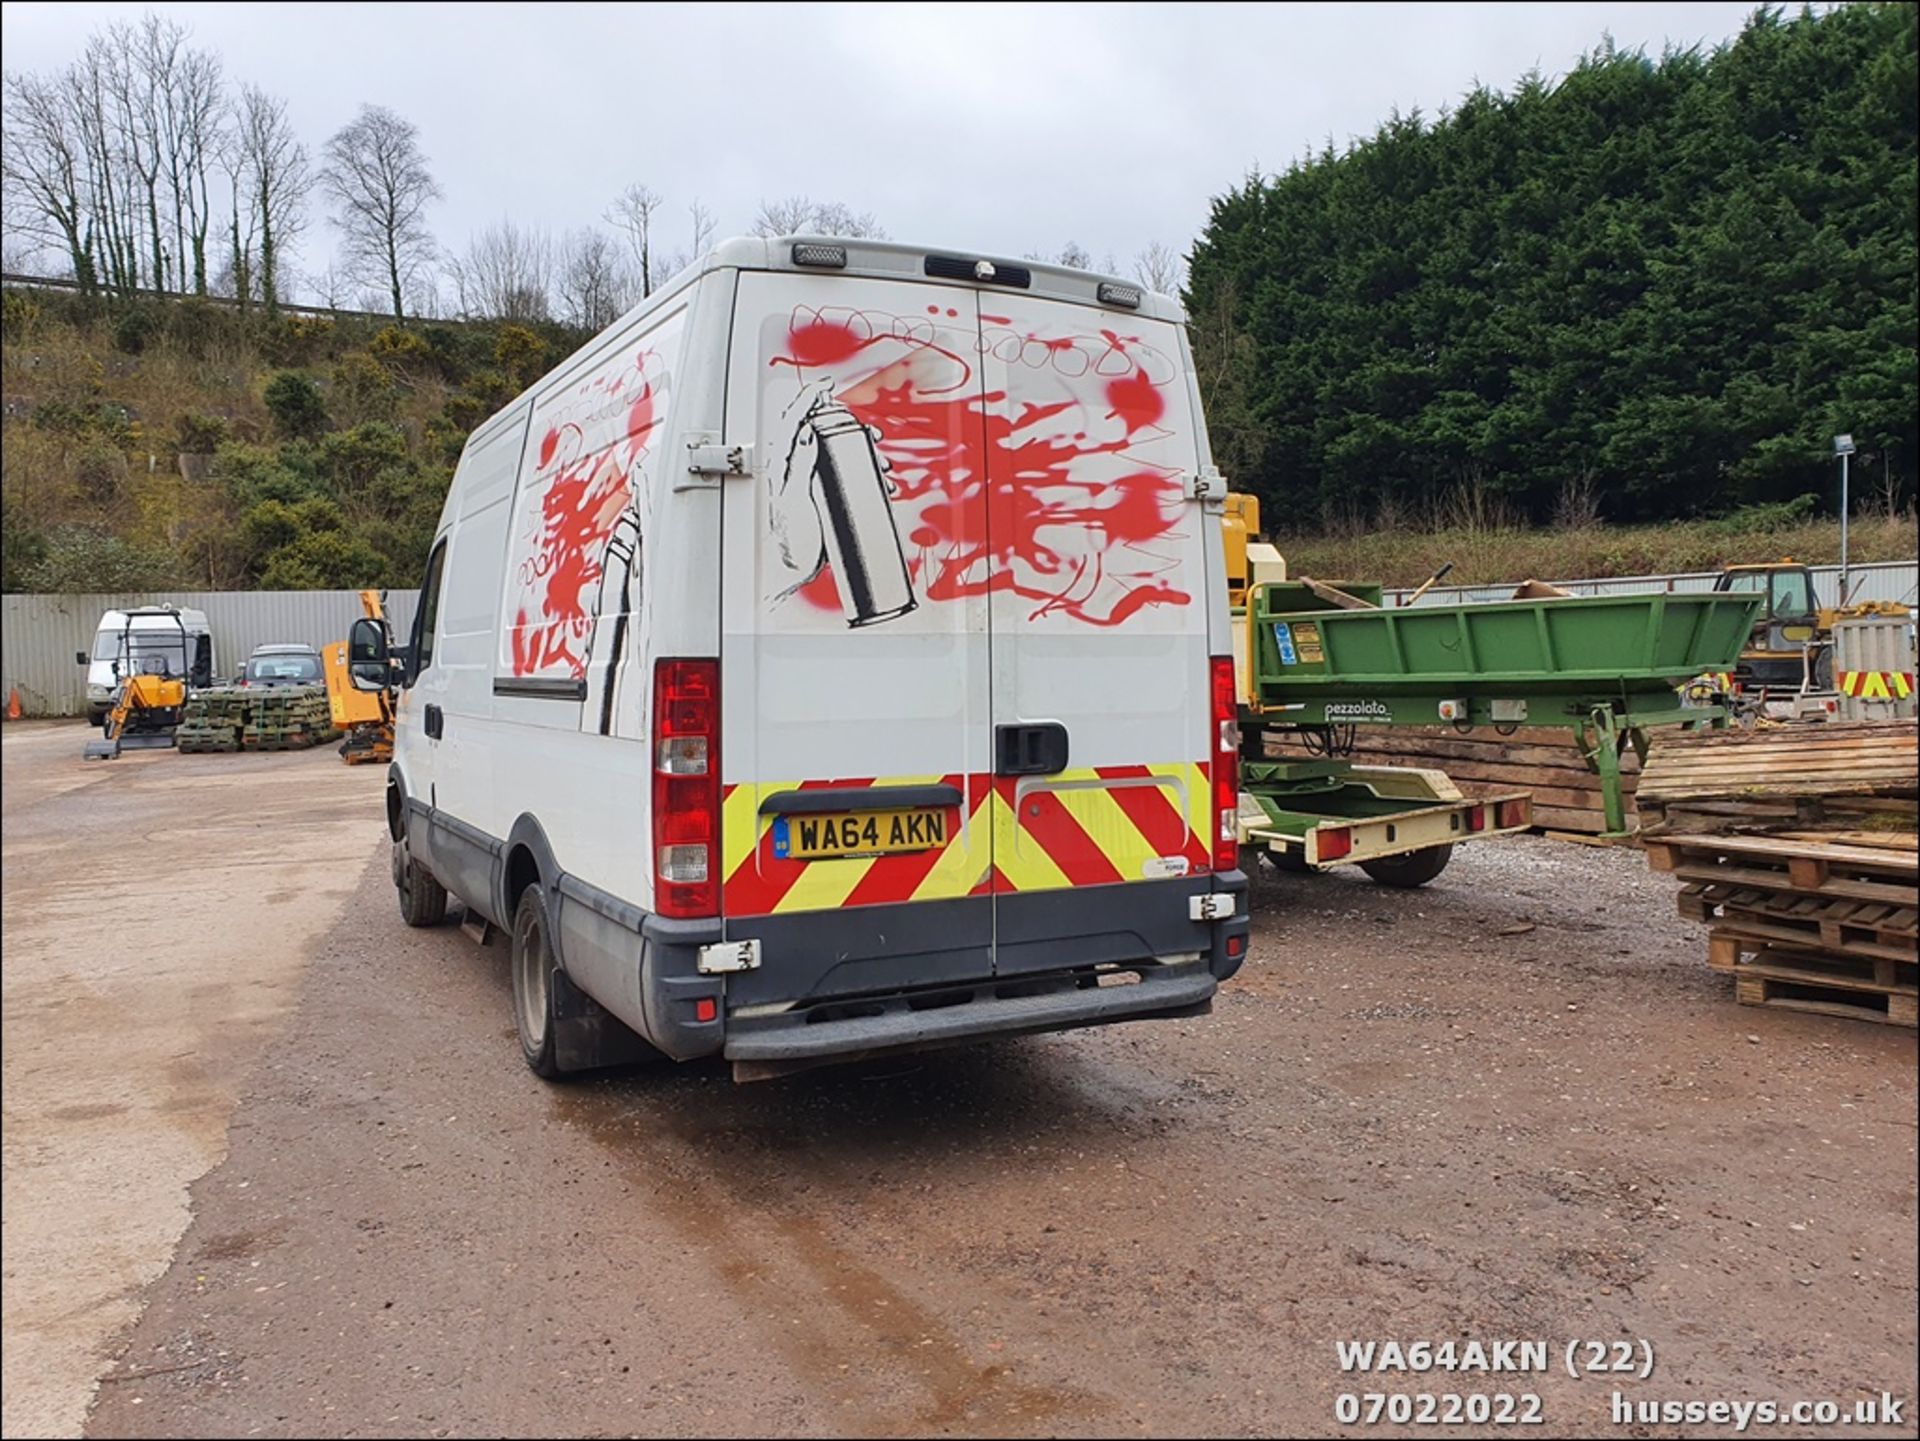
586,1036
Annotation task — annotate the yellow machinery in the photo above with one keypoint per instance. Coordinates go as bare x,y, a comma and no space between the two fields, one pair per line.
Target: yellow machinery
365,716
1791,647
147,702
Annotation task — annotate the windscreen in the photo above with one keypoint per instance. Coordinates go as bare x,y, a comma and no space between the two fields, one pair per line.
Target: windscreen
293,669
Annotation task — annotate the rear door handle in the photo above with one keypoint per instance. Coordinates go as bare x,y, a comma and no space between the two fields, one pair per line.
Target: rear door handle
1030,750
436,721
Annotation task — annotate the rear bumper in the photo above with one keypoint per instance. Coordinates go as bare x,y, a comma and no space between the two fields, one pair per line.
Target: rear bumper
871,979
1020,1005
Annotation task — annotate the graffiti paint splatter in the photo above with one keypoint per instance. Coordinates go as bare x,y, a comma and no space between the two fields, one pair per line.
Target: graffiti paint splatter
1052,488
587,455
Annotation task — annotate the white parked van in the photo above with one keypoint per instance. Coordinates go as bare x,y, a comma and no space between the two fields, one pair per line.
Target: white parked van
832,658
135,640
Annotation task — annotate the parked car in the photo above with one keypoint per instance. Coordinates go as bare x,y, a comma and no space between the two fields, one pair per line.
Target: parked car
279,665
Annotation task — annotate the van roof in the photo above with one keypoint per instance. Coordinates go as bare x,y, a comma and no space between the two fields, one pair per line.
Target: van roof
899,261
880,258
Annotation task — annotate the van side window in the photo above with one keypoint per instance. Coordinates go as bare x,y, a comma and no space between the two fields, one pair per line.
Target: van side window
428,616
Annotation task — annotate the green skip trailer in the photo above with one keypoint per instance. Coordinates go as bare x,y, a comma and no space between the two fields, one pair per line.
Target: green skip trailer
1322,661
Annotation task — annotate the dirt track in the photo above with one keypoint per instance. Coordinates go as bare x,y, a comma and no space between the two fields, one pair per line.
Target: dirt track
1400,1122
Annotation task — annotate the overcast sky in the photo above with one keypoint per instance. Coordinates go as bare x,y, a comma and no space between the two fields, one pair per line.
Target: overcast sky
978,127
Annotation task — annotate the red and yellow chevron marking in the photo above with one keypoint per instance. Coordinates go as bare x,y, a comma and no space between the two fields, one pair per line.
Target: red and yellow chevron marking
1875,684
1078,828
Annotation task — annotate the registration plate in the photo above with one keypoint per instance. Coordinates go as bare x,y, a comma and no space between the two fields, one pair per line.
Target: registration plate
858,833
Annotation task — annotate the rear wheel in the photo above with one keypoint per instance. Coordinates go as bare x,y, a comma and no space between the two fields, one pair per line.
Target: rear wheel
423,900
1415,868
533,983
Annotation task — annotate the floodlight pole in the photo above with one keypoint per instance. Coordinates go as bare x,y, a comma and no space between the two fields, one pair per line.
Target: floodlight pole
1843,447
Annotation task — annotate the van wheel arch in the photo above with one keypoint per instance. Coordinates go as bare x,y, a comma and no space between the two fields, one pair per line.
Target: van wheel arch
527,860
396,804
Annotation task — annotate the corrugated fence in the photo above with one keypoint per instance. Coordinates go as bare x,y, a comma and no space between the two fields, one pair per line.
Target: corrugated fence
40,634
1883,580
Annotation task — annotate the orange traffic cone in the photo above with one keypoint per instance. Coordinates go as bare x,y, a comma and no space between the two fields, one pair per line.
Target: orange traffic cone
13,704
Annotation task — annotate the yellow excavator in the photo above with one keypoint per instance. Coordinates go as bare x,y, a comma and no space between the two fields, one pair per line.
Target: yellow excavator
365,716
148,698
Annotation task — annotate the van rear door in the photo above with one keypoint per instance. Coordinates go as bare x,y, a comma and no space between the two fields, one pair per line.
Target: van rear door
856,728
1099,615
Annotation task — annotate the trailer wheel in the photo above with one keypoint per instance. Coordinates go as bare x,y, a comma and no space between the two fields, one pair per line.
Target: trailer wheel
423,900
1291,861
1415,868
533,984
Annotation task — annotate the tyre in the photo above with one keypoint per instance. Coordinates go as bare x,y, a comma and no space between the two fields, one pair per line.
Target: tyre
423,900
1291,861
1415,868
533,989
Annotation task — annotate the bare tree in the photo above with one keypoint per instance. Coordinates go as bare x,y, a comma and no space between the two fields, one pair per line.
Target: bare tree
506,274
702,228
1072,255
633,213
595,286
1159,268
799,215
377,177
274,165
110,158
43,169
194,116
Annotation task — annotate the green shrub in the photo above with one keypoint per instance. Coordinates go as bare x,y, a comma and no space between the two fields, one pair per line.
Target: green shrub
79,558
363,388
296,407
134,329
99,467
198,434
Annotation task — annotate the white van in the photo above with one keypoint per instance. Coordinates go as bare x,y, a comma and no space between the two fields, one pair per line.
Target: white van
135,639
832,658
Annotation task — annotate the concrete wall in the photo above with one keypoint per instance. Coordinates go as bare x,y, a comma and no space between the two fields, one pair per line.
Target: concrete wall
40,633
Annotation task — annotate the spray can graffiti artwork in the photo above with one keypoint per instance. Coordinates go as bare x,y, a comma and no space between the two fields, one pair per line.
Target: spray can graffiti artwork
853,499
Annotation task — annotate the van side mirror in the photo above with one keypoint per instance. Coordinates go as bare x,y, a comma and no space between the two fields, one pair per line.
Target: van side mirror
79,657
369,662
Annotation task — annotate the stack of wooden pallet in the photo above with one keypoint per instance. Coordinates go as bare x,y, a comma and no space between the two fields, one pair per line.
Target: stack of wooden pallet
1543,759
1797,846
286,718
212,720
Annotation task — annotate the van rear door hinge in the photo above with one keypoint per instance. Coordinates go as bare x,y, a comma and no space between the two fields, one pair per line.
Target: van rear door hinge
728,956
705,457
1207,483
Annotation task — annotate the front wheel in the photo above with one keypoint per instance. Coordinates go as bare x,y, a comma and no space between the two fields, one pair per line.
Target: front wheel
533,983
1415,868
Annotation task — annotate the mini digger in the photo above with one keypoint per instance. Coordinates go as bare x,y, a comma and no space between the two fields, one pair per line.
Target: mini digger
149,698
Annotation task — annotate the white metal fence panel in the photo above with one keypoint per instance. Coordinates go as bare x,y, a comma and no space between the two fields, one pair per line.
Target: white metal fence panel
1897,581
40,634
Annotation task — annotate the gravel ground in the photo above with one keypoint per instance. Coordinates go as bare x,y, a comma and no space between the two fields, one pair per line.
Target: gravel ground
1515,1105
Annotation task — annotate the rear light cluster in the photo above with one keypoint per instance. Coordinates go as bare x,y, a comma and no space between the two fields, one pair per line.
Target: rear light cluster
686,788
1226,765
1334,843
1513,813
